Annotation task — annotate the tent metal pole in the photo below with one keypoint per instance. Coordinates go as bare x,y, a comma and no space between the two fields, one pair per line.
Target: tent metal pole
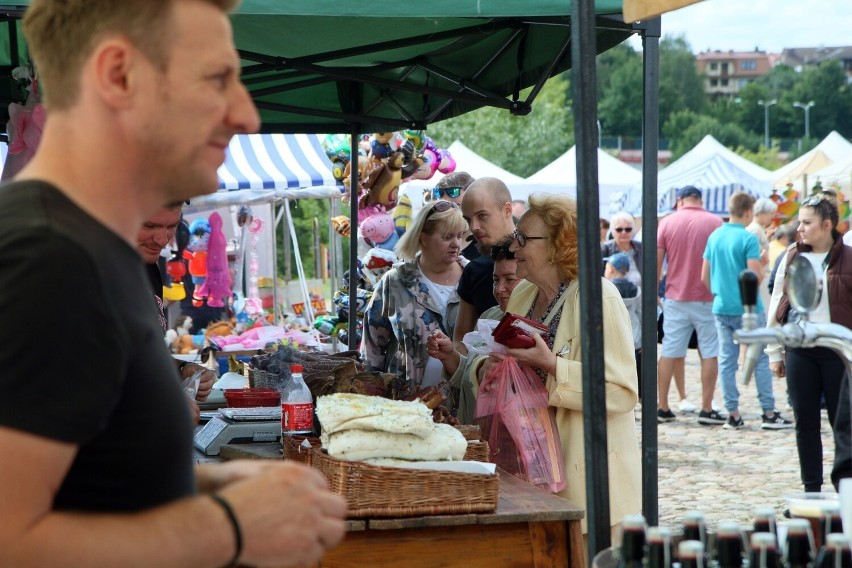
650,144
354,190
583,83
334,257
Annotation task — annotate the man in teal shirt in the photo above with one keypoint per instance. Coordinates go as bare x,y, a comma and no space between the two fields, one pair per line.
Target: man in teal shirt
730,250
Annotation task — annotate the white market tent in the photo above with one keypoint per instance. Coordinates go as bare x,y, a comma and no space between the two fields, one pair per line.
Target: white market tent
714,169
265,170
615,179
840,173
831,149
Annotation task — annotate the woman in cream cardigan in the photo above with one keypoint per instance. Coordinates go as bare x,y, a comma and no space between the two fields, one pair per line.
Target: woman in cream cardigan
546,250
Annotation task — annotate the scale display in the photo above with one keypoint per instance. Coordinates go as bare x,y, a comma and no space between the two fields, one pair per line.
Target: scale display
238,425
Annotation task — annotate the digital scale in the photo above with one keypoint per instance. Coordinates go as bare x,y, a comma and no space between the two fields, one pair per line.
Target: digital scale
238,425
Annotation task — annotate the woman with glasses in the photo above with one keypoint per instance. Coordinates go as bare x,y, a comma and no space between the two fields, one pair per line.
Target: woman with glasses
416,298
545,248
441,347
622,228
814,373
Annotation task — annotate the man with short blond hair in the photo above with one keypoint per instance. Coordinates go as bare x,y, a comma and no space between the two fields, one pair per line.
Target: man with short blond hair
142,101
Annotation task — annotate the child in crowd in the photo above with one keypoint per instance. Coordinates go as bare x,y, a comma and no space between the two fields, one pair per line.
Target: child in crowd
617,267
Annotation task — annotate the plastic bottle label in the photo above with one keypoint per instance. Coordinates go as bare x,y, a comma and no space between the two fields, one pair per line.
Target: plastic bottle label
297,417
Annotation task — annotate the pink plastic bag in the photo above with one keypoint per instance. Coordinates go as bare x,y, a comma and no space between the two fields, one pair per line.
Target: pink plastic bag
520,426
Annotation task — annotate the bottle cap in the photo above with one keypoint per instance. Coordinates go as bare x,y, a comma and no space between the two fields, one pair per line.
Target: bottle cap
295,368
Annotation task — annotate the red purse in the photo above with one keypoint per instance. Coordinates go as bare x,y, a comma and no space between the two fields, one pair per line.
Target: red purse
517,331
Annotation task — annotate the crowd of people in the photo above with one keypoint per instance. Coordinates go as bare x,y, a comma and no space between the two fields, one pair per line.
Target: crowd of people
472,253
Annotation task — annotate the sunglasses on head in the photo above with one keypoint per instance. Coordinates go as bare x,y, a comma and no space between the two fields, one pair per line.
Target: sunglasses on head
522,238
813,201
623,230
450,192
440,207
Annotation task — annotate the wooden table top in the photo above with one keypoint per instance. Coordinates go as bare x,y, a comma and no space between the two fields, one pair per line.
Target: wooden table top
518,501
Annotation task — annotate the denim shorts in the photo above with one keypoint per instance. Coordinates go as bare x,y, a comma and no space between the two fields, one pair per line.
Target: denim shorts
679,319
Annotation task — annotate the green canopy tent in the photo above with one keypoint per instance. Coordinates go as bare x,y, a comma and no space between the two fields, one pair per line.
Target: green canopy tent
322,66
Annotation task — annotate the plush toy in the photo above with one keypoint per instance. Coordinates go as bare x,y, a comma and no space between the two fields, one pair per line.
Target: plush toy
217,285
196,254
379,231
183,324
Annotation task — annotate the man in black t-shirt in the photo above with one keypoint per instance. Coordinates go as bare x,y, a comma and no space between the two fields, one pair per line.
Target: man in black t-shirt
487,207
142,104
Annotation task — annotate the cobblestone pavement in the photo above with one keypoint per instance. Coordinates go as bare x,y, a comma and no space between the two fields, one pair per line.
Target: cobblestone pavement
728,473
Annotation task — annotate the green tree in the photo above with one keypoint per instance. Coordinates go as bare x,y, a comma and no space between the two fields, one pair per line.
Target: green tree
520,144
304,211
688,129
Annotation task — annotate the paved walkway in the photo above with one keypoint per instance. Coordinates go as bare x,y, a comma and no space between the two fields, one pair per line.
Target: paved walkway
728,473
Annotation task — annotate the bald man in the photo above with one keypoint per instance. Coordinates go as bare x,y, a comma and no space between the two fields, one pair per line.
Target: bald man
487,207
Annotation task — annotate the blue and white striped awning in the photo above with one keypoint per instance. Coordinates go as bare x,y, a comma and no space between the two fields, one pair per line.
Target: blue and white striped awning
717,178
275,161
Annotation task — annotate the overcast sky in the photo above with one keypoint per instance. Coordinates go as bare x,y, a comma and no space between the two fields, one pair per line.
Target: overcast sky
770,25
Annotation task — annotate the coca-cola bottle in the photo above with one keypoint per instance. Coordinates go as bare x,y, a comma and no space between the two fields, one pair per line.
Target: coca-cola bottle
694,527
764,520
836,553
632,542
659,547
691,554
729,545
764,551
297,405
799,549
829,523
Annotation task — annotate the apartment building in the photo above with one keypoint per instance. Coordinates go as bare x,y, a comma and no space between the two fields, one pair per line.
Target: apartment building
799,57
725,73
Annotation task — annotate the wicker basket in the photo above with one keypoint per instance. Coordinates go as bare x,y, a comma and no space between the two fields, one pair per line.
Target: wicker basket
476,451
470,431
375,491
261,378
293,449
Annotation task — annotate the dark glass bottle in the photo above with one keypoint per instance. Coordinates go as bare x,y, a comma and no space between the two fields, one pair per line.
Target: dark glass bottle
764,551
836,553
694,527
799,549
659,547
764,520
632,542
729,545
829,524
691,554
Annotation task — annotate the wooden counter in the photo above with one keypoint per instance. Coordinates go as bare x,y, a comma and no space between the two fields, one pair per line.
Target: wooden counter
530,528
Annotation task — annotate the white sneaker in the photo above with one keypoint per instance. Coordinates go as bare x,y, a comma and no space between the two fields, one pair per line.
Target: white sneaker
686,406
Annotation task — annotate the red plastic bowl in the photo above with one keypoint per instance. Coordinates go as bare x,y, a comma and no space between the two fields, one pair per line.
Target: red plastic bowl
252,397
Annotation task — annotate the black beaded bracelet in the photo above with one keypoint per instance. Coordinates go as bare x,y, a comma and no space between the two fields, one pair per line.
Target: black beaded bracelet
181,365
238,534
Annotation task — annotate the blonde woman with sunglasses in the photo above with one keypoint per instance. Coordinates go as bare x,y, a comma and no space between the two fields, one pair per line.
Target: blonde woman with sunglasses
416,298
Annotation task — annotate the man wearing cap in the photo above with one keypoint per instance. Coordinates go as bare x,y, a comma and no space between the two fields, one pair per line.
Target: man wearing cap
687,303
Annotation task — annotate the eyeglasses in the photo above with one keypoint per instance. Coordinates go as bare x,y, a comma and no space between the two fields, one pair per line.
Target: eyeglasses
623,230
440,207
451,192
522,238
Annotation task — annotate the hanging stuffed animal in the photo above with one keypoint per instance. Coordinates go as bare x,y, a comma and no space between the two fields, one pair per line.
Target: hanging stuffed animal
196,254
25,125
176,265
379,231
217,285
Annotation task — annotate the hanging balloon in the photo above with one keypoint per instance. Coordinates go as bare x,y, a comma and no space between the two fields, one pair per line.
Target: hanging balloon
446,163
428,144
429,166
415,136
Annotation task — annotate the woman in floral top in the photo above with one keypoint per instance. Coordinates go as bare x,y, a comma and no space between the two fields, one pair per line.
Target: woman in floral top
417,297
